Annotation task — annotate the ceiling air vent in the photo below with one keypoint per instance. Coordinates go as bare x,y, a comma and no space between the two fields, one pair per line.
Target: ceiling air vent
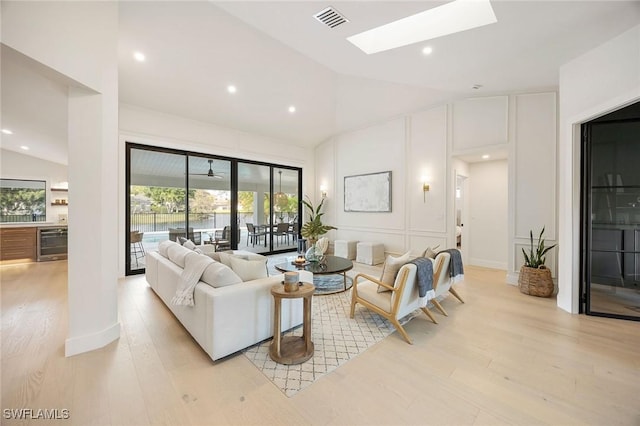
330,17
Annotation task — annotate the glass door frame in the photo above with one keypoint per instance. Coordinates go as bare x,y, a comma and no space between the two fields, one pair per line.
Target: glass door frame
586,224
234,186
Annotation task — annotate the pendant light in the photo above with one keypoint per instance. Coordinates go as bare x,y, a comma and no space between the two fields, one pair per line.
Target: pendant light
281,199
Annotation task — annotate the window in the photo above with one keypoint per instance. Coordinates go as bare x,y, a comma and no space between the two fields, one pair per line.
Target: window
22,200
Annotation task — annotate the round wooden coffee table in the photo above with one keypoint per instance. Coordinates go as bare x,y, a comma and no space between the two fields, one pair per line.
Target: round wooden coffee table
291,349
329,265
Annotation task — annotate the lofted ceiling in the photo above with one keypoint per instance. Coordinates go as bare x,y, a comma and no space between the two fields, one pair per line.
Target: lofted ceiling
278,55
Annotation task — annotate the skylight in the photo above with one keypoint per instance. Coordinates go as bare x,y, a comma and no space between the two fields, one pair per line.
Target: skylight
457,16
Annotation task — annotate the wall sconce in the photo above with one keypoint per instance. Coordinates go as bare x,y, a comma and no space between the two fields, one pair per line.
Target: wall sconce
425,189
323,191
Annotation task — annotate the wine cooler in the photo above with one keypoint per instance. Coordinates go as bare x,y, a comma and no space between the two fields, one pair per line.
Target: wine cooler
52,243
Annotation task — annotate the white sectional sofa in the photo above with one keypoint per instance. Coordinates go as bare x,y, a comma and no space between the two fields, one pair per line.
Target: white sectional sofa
228,314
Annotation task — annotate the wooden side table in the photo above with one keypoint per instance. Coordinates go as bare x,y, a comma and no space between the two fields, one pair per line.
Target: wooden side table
291,349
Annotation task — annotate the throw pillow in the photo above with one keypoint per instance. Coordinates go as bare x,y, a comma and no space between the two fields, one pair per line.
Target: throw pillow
189,244
225,257
249,270
430,252
181,240
390,269
219,275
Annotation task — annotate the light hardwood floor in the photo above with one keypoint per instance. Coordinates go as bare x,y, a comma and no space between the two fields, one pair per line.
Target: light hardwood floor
501,358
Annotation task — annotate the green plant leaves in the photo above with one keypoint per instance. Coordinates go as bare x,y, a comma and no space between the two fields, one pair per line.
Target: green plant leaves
536,259
314,227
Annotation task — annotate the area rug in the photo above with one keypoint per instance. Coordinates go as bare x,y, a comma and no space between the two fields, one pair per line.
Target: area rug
336,337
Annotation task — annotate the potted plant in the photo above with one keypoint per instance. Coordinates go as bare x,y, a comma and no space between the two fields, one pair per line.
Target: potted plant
535,278
314,228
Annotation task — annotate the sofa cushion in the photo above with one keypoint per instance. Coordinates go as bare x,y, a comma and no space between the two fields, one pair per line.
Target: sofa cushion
163,246
390,269
430,252
249,269
177,254
219,275
225,257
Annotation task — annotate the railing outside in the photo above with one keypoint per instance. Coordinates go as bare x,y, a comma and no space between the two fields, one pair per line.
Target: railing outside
11,218
161,222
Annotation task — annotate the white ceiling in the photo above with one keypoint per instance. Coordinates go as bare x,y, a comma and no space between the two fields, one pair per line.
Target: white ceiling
278,55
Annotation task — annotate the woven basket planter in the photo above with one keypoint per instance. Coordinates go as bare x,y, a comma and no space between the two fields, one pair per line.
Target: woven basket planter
535,281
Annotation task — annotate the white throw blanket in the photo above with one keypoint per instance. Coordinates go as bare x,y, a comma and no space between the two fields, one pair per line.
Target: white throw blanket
424,300
194,266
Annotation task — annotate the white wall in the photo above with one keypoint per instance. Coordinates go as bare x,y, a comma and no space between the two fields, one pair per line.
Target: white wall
480,122
79,40
14,165
488,207
428,143
411,148
602,80
375,149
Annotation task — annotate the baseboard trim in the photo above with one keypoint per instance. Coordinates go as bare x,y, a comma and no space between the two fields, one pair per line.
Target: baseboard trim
512,278
81,344
488,263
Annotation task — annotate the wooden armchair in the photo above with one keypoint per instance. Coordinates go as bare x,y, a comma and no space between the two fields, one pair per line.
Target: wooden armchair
401,299
442,281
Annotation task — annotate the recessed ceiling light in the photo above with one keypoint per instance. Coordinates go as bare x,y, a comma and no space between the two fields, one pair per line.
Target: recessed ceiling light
485,157
26,148
7,132
453,17
139,56
232,89
427,50
292,109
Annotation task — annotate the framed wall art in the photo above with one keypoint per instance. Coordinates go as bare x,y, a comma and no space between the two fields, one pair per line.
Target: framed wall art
368,193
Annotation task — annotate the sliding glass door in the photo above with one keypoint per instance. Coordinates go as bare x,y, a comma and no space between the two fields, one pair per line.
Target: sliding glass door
157,203
254,206
217,202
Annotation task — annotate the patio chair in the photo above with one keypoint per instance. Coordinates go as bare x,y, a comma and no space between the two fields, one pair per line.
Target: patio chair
137,249
282,231
254,234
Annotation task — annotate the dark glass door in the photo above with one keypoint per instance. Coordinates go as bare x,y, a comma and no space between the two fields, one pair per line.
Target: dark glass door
611,218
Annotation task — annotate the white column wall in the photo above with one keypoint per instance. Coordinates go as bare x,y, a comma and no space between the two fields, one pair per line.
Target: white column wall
533,177
600,81
85,54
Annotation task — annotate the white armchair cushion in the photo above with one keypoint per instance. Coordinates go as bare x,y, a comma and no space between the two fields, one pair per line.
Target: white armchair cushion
368,291
390,269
